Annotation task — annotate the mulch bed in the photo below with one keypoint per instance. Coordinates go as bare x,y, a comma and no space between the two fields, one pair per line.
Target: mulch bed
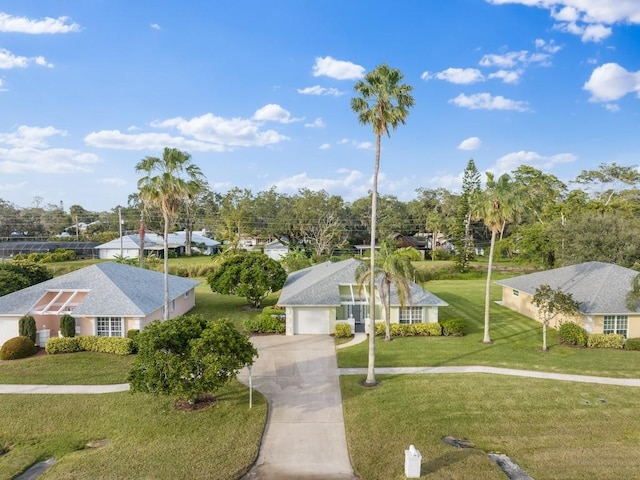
205,401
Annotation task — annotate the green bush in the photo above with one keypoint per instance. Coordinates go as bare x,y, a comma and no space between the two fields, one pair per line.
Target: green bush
343,330
27,327
453,327
410,330
572,334
90,343
68,326
17,347
632,344
264,324
426,329
605,340
133,336
63,345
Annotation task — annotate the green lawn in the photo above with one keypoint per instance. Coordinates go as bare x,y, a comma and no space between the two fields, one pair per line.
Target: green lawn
148,438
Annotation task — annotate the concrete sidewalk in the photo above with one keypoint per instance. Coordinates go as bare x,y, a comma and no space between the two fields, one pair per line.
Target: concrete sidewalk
305,436
62,389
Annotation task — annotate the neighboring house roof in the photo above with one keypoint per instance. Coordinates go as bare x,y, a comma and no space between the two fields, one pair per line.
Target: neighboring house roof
276,245
318,285
179,238
600,288
153,241
115,289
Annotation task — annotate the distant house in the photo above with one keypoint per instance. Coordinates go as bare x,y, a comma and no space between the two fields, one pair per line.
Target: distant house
129,245
600,288
106,299
319,297
276,249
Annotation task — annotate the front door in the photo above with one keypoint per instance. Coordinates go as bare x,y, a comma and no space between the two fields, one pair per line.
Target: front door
359,313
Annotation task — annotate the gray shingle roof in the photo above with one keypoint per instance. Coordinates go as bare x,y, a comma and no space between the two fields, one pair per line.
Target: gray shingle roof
115,289
600,288
318,285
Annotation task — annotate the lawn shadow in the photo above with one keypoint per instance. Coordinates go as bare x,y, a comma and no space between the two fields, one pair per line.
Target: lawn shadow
448,459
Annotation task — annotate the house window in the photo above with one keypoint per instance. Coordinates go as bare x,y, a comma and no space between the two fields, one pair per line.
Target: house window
516,293
109,327
411,315
187,293
616,324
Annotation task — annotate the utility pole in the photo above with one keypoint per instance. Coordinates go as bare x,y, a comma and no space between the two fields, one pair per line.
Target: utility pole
120,221
141,234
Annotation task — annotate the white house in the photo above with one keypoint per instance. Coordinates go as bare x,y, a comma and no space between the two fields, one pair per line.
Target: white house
129,245
276,249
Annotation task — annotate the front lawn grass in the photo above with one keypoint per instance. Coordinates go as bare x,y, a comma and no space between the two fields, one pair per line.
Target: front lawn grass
559,430
517,341
148,438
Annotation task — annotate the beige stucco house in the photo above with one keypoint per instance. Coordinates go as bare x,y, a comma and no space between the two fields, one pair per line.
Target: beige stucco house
106,299
600,288
318,298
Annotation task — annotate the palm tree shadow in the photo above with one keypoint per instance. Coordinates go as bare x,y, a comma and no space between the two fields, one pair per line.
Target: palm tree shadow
448,459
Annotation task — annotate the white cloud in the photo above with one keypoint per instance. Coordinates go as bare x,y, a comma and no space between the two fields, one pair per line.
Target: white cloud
53,160
116,182
317,123
155,26
9,23
610,82
26,136
588,33
274,113
324,146
507,76
471,143
116,140
460,76
338,69
11,187
513,59
351,183
612,107
363,145
485,101
8,60
318,90
512,161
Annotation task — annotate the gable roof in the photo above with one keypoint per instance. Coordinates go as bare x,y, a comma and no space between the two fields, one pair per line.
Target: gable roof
600,288
115,289
319,285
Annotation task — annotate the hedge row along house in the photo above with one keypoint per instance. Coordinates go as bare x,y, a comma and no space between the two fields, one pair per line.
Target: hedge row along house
106,299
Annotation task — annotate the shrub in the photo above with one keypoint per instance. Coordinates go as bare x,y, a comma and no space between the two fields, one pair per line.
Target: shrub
17,347
427,329
27,327
343,330
68,326
410,330
632,344
264,324
133,336
454,327
572,334
63,345
605,340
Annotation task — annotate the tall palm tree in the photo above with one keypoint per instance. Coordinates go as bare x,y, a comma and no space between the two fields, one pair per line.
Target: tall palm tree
165,184
383,102
496,205
392,268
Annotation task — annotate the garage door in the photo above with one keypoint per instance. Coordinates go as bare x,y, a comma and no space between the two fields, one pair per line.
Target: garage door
8,329
311,320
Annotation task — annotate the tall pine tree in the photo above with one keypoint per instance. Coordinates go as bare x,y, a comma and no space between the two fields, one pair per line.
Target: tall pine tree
463,238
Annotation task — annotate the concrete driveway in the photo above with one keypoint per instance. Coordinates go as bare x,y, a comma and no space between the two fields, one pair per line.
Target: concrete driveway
305,437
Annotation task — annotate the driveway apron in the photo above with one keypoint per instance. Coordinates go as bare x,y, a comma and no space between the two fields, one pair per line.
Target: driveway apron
305,436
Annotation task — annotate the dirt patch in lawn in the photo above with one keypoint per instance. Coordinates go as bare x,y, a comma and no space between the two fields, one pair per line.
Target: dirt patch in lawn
205,401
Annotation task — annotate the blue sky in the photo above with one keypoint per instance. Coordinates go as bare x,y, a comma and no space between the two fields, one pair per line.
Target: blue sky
258,92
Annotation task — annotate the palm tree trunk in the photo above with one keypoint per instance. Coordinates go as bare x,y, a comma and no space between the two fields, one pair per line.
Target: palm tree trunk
371,372
487,293
166,268
387,312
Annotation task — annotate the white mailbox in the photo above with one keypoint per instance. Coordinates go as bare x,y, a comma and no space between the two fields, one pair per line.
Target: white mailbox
412,461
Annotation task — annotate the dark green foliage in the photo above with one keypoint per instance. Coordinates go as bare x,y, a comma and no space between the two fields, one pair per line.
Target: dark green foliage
453,327
12,281
133,336
264,324
572,334
343,330
17,347
27,327
16,275
632,344
189,356
68,326
249,275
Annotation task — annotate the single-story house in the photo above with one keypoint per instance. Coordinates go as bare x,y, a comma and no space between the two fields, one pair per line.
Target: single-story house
276,249
600,288
129,245
106,299
319,297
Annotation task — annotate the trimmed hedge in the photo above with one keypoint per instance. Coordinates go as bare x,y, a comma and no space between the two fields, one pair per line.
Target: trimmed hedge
343,330
572,334
90,343
264,324
453,327
410,330
632,344
68,326
27,327
17,347
605,340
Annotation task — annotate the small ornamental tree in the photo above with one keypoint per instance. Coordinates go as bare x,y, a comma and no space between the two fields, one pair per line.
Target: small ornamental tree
552,303
68,326
27,327
189,356
249,275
